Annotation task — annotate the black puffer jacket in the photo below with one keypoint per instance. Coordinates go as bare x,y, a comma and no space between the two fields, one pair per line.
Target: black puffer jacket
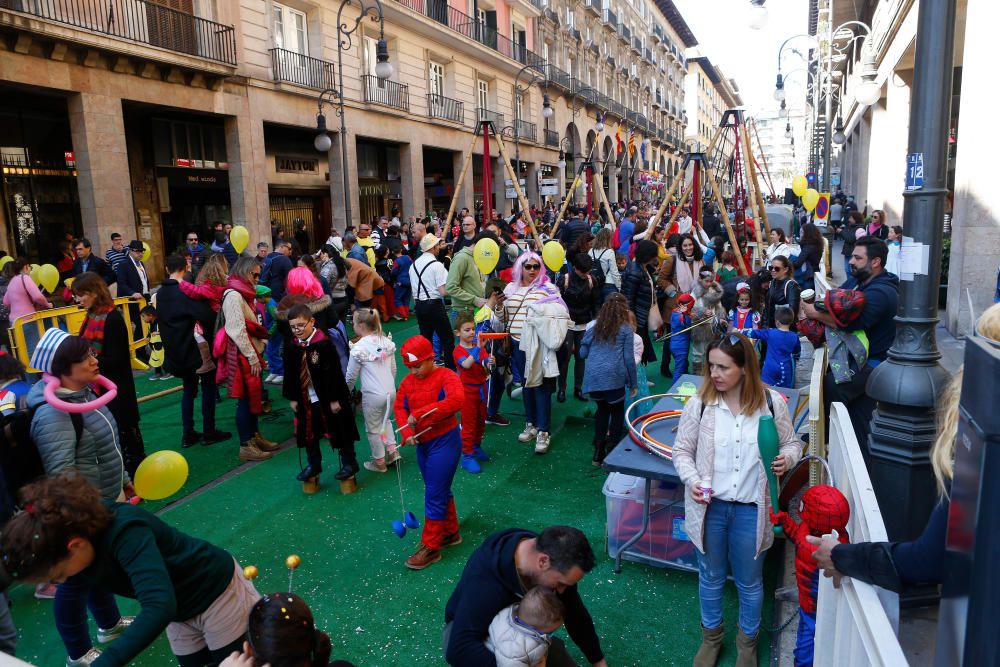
582,296
637,289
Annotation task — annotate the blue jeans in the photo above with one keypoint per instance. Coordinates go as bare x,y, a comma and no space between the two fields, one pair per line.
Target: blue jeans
607,290
73,597
275,364
847,267
8,633
537,400
730,540
497,385
208,394
246,422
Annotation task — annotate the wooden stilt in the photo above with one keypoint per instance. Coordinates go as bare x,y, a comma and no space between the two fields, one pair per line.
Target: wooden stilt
311,485
349,485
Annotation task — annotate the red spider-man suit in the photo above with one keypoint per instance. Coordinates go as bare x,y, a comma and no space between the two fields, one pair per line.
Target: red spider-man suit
823,509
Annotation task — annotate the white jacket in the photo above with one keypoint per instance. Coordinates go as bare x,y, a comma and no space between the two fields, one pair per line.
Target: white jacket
544,331
514,645
374,359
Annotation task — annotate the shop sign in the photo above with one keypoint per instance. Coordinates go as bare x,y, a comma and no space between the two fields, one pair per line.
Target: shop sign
200,178
284,164
70,158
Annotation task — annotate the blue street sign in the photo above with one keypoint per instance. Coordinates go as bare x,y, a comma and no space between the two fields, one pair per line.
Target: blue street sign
811,178
914,171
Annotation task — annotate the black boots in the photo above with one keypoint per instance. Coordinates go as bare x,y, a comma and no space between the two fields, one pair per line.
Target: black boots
309,472
599,452
348,465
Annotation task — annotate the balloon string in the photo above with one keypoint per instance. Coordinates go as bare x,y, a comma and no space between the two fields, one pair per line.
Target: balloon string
291,573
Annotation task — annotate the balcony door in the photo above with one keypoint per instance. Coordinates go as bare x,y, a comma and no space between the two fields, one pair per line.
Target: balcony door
292,38
171,25
435,84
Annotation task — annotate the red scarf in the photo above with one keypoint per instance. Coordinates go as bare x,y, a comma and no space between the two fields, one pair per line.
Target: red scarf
92,329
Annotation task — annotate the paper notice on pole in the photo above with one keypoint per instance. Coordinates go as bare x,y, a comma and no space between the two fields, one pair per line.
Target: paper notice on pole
914,259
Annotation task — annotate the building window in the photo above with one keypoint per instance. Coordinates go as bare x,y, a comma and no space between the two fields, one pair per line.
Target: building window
518,106
569,18
484,93
290,30
435,78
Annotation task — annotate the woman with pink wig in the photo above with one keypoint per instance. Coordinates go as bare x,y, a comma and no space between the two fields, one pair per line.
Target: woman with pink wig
302,286
529,287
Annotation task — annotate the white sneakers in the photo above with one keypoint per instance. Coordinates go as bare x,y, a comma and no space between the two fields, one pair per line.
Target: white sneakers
542,443
528,434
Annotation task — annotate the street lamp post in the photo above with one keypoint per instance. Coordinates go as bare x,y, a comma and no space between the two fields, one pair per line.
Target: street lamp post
907,384
383,70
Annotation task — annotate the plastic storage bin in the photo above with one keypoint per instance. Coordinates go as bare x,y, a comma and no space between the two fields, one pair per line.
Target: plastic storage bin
664,544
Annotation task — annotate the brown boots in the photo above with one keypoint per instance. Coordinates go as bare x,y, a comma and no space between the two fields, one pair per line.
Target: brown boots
207,365
746,650
711,644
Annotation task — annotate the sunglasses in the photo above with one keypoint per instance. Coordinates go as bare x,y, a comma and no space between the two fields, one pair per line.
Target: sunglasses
255,274
192,240
734,339
775,269
532,267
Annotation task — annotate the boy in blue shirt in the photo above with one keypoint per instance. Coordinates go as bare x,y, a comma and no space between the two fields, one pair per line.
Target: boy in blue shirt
680,334
782,343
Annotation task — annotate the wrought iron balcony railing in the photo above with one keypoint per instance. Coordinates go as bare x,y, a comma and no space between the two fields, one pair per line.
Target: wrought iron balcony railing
387,93
291,67
439,106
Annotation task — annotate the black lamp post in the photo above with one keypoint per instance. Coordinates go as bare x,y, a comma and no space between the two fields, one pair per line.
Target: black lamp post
383,70
907,385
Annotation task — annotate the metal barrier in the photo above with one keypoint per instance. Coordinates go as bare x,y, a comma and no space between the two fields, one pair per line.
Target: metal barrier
855,624
70,319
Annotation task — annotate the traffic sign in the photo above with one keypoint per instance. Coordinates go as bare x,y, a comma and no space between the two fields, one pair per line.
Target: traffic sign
822,210
811,179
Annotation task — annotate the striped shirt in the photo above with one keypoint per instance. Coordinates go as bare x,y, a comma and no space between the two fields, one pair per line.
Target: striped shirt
516,305
116,257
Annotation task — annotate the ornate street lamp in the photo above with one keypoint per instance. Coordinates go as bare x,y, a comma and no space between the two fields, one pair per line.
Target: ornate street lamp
383,70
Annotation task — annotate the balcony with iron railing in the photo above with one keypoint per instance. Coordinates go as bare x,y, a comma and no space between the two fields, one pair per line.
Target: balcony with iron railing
387,93
445,14
558,77
138,21
551,138
648,55
594,6
657,32
290,67
445,108
525,131
637,46
610,19
624,33
492,116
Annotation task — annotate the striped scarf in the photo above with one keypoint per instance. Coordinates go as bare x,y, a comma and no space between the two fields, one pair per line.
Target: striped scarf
93,328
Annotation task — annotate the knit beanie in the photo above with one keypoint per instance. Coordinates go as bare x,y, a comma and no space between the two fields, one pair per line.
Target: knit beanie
45,351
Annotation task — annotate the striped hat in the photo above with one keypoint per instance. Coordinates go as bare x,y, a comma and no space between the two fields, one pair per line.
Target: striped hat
45,351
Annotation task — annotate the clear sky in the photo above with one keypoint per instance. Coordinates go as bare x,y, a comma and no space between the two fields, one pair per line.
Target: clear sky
750,56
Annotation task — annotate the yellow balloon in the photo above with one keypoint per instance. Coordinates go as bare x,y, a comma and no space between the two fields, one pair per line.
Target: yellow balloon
146,251
239,237
486,253
34,274
810,199
5,260
553,255
800,185
161,474
48,277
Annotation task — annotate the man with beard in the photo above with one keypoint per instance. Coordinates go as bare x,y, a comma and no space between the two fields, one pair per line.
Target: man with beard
881,290
500,572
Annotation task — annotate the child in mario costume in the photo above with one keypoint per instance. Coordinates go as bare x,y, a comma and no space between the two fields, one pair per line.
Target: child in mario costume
426,404
823,509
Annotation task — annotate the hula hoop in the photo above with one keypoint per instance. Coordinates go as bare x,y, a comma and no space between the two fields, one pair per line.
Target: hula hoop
640,436
52,383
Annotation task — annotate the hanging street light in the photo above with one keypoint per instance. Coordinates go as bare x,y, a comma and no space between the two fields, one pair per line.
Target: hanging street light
757,14
547,110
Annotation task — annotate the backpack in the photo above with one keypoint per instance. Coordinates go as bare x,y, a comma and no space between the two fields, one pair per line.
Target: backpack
338,335
20,461
616,240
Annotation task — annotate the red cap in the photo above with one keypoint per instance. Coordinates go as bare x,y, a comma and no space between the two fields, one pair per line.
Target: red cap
685,300
416,350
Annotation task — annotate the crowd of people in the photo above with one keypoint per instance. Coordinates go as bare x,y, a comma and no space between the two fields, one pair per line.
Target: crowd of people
308,317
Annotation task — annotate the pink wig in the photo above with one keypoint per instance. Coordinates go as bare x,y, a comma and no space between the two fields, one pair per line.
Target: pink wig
517,271
301,280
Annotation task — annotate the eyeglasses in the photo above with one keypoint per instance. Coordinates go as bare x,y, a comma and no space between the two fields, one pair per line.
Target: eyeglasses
193,239
255,274
532,267
734,339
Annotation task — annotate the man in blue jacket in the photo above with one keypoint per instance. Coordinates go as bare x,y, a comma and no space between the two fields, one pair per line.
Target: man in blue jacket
877,320
275,269
500,572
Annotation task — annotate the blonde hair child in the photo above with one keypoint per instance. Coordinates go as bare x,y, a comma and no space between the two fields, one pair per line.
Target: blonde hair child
373,360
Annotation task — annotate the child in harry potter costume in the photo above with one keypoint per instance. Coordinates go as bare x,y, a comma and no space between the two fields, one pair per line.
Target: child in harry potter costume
315,387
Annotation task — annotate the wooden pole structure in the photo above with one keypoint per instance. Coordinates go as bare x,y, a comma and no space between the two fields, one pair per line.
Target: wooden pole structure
461,179
576,184
525,209
725,219
754,189
763,157
673,186
607,209
752,165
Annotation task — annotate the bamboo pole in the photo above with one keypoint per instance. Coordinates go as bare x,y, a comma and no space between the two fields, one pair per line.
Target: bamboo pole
673,186
763,157
607,209
754,189
461,179
576,184
756,182
159,394
522,200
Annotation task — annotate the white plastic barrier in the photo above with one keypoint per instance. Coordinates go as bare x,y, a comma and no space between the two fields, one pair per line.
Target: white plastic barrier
857,623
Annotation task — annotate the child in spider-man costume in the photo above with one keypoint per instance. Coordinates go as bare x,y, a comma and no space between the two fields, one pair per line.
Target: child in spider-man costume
427,402
823,509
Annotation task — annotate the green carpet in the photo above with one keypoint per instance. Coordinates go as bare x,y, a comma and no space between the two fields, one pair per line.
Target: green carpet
376,611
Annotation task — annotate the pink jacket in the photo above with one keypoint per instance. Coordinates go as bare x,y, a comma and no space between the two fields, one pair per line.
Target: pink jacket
23,297
204,292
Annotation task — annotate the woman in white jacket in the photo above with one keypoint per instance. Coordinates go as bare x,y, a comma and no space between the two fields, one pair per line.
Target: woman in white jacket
727,500
604,257
779,246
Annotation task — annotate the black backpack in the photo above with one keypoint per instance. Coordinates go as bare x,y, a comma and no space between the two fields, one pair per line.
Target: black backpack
20,462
